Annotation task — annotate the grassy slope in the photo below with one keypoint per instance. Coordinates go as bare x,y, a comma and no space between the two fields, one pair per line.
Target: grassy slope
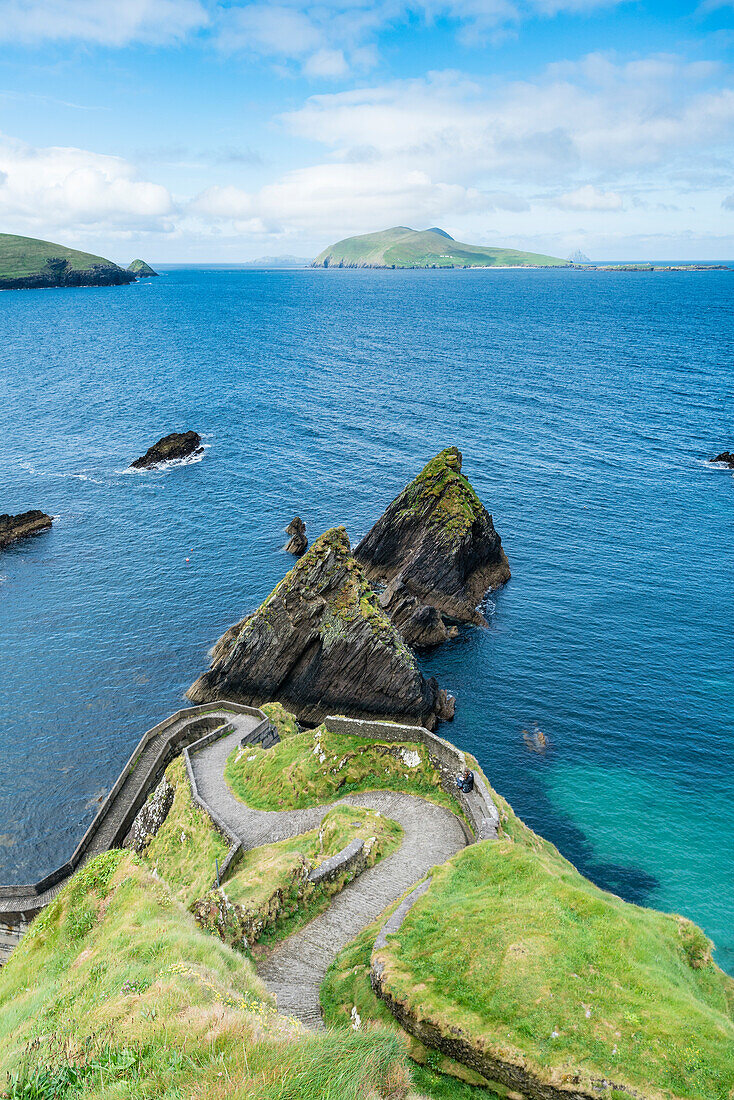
404,247
560,974
347,986
116,977
186,846
293,775
20,256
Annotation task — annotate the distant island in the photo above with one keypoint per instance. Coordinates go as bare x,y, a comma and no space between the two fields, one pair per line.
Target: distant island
279,261
403,247
27,264
142,270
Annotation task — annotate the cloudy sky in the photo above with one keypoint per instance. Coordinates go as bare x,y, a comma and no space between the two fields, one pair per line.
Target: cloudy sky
221,130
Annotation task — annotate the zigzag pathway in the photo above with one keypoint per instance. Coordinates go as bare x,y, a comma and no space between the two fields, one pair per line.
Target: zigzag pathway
295,969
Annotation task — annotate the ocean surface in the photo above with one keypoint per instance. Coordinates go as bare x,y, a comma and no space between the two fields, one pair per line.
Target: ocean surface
585,406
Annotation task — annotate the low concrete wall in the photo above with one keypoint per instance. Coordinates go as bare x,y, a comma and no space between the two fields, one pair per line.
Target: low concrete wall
333,866
19,903
480,810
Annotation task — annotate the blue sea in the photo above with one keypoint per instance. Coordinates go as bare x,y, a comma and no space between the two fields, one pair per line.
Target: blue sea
585,406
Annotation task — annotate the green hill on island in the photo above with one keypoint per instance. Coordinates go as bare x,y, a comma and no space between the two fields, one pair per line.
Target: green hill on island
141,269
403,247
26,263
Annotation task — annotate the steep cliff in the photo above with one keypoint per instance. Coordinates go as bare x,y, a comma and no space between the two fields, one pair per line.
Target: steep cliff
435,543
320,643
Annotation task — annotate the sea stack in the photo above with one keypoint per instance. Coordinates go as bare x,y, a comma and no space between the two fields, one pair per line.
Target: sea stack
17,527
141,270
726,457
177,445
321,644
435,547
298,541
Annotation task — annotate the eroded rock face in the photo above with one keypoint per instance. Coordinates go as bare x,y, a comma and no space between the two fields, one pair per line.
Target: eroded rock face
150,817
321,644
437,541
420,625
177,445
22,525
725,456
298,540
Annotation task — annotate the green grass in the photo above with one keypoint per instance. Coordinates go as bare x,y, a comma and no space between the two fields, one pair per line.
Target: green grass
114,993
317,766
442,491
347,986
186,846
285,723
562,976
268,896
403,247
21,256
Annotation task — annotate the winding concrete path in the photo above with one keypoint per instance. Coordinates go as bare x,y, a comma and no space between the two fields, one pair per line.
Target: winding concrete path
295,969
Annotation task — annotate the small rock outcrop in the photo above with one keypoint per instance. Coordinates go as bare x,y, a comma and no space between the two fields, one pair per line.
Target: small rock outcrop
321,644
177,445
22,525
150,817
727,457
298,541
436,546
141,270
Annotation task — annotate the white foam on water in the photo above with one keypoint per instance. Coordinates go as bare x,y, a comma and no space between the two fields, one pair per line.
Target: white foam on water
172,464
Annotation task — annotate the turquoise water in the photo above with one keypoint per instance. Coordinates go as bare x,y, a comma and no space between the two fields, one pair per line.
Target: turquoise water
585,406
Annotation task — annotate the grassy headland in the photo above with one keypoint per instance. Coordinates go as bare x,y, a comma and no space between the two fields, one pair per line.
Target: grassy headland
403,247
25,261
317,766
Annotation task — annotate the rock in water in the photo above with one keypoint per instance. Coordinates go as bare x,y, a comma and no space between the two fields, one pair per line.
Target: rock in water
175,445
297,530
725,456
322,645
18,527
141,270
436,543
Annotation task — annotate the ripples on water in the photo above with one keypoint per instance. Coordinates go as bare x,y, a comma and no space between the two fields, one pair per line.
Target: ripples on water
585,406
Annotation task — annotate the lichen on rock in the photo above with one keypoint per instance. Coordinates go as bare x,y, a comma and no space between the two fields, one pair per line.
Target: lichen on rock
321,643
436,547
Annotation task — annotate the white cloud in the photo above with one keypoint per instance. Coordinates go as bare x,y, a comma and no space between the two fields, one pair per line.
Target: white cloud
326,63
106,22
344,198
66,187
589,198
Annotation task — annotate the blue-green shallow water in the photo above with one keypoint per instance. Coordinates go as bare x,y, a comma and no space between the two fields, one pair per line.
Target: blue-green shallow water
584,405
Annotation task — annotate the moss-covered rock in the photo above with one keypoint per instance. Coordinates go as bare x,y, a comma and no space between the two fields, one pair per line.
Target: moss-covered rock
321,644
435,543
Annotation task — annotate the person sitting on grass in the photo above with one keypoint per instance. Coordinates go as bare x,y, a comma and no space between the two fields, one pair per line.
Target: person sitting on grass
465,781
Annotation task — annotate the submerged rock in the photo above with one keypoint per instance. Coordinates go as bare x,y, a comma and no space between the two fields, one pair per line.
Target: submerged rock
22,525
175,445
435,543
297,530
725,456
321,644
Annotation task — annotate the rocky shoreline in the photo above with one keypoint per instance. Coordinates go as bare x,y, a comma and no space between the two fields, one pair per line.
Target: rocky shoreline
60,273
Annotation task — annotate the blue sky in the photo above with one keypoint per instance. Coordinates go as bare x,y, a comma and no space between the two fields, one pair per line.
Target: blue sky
203,130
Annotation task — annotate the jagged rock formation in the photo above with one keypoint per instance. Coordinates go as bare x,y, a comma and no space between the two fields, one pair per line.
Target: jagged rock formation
175,445
725,456
22,525
437,549
321,644
420,625
298,541
141,270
